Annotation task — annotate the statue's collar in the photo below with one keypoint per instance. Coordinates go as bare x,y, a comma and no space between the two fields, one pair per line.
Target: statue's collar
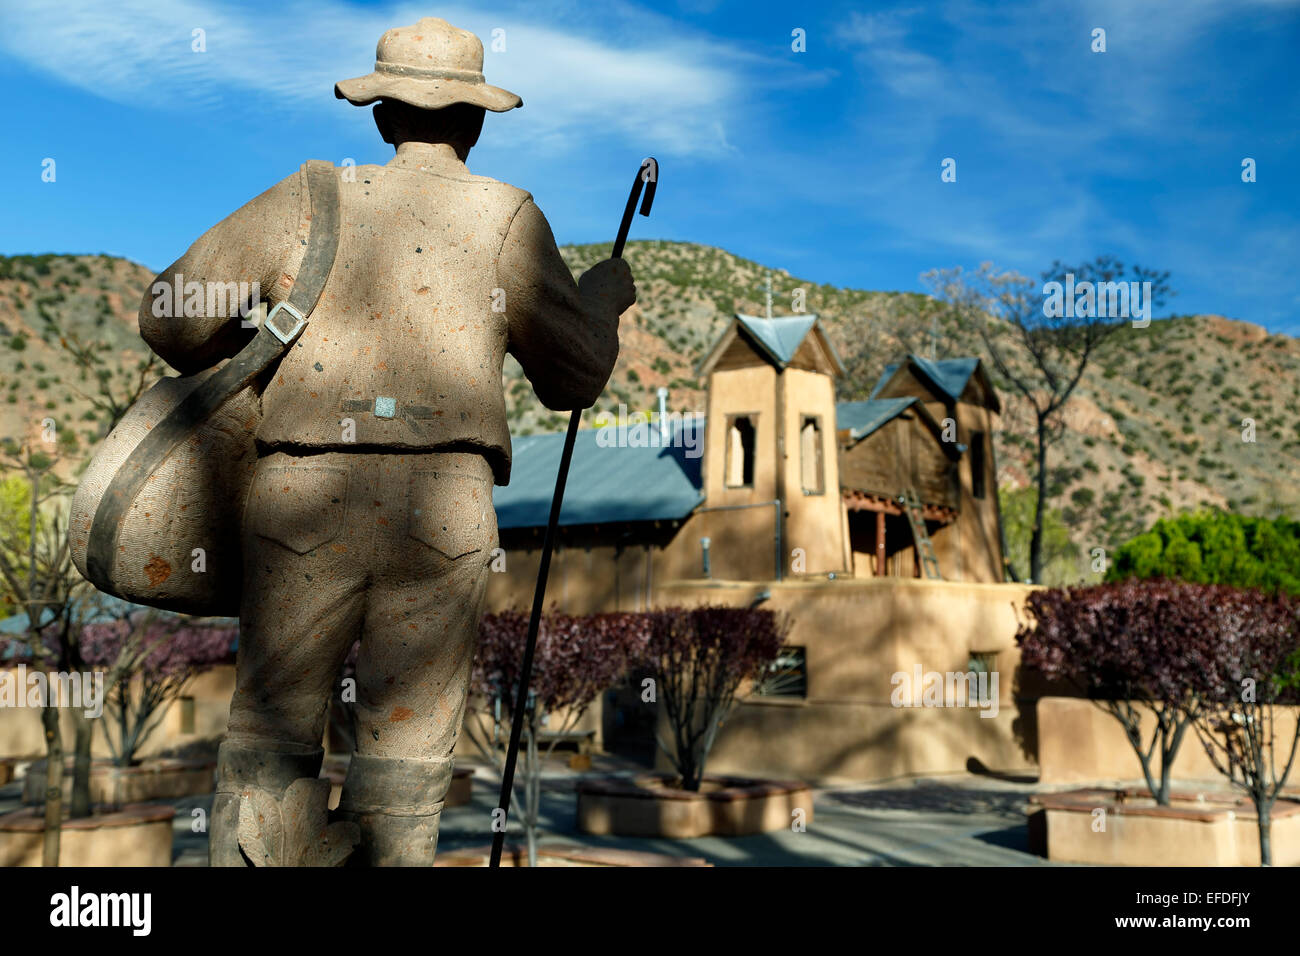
434,156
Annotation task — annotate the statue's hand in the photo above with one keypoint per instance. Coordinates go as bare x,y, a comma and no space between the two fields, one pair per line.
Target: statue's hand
609,285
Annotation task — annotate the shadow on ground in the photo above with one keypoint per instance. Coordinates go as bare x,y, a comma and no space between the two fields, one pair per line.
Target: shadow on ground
930,797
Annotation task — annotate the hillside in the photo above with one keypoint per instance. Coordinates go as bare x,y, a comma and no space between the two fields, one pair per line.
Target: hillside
1155,426
95,299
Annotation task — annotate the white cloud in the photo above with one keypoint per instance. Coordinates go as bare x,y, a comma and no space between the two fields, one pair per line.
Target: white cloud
677,90
1064,117
880,42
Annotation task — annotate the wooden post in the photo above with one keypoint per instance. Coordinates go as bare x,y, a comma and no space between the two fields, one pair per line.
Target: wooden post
880,544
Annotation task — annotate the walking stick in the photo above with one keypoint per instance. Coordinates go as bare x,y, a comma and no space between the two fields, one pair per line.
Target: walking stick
647,175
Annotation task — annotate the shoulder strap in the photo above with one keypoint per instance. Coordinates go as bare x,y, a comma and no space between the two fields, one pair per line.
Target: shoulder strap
323,238
277,332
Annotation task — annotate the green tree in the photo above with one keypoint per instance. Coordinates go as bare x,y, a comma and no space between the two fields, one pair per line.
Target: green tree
1060,554
1216,547
15,497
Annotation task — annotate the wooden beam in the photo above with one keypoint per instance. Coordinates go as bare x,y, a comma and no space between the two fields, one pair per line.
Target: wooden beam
863,501
880,544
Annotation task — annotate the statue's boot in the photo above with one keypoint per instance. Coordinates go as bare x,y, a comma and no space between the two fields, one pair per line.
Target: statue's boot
242,765
397,802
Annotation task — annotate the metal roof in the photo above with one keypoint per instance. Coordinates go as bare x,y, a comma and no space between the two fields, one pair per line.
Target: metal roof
777,339
613,480
863,418
780,337
618,474
951,375
106,608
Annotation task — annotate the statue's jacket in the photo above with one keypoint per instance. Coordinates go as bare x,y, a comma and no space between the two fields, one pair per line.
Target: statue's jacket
439,273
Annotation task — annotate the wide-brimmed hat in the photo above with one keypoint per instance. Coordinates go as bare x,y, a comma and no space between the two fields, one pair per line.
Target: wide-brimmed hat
429,65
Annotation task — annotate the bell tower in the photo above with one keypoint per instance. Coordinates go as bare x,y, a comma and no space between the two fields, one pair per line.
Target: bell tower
770,444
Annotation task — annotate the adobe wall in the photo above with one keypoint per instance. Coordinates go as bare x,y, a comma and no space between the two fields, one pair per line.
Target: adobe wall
589,573
1079,742
742,391
22,734
815,522
857,633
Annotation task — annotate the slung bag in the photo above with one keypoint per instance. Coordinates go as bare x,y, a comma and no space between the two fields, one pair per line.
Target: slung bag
155,519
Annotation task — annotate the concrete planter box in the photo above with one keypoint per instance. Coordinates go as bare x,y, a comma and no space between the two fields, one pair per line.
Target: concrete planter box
135,835
160,779
1197,829
651,805
458,794
565,856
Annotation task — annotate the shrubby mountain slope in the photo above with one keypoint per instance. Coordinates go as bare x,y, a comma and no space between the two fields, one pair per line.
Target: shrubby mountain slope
1155,427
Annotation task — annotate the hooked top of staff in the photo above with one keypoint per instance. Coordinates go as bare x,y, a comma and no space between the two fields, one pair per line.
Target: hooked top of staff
648,174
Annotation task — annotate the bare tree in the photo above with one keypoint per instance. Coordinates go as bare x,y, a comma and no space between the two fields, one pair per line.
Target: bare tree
1124,646
884,329
149,658
700,657
1042,351
577,658
36,565
1250,713
113,386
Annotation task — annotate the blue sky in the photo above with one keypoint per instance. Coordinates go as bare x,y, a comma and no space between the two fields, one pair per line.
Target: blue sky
825,162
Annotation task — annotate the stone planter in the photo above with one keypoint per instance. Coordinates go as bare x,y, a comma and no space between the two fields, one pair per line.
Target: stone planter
1198,828
160,779
650,805
134,835
458,794
565,856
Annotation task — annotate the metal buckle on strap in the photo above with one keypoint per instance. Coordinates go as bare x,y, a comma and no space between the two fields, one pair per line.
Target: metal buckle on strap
285,337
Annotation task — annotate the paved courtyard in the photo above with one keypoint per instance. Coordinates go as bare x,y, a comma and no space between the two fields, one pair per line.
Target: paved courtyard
951,820
958,820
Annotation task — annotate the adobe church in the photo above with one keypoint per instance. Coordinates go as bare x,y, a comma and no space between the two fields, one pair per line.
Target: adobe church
776,481
873,525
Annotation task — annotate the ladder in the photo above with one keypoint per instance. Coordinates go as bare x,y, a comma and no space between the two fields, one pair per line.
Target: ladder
911,503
